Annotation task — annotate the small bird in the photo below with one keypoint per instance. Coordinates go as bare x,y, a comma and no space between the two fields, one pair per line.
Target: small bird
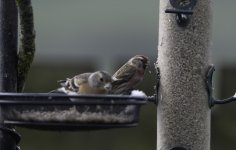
129,75
98,82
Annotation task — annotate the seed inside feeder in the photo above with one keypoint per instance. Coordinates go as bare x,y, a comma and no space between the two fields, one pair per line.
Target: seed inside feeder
81,114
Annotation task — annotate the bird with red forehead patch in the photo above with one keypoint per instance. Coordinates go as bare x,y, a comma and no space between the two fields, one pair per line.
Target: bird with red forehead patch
129,75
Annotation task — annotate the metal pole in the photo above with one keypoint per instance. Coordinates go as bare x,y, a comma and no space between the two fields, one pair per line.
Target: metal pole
183,115
8,65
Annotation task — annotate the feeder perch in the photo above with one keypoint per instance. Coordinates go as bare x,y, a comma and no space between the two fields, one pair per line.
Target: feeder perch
182,9
211,100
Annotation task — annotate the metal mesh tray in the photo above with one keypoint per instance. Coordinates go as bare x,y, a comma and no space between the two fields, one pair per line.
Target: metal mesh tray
70,112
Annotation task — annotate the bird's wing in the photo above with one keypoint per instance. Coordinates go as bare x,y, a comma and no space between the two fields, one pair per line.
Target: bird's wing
125,73
82,78
72,84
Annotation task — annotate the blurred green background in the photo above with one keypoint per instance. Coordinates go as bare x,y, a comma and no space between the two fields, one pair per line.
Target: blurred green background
76,36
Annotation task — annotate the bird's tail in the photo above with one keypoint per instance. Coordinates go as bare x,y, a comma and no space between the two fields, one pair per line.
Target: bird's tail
63,83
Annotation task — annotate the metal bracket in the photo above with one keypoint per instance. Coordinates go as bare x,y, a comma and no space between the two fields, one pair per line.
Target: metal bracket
211,100
155,97
209,86
183,9
12,132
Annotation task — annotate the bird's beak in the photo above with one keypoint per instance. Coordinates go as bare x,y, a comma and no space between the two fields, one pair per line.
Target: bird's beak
145,61
107,86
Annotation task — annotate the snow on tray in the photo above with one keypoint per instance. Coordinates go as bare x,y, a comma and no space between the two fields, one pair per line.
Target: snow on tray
138,93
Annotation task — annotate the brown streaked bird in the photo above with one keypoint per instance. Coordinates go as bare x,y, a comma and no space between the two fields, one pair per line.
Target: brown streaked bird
98,82
129,75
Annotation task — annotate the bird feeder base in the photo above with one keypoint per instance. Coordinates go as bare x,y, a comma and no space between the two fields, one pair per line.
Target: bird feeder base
50,111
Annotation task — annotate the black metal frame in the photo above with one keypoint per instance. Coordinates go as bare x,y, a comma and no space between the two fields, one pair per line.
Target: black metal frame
8,66
59,99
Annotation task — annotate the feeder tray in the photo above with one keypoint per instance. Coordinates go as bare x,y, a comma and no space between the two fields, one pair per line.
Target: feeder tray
56,111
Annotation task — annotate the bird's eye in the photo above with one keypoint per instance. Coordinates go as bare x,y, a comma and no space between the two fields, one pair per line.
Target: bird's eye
101,79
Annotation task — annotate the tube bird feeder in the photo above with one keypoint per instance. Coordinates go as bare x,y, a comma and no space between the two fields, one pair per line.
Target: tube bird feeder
183,115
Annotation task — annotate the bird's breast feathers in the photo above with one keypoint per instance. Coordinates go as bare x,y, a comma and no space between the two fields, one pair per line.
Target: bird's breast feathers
86,89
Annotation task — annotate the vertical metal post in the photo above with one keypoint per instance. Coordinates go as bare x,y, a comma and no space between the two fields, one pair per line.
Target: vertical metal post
8,64
183,115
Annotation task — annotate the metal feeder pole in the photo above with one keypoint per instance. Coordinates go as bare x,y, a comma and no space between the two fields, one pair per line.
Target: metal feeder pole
8,65
183,115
